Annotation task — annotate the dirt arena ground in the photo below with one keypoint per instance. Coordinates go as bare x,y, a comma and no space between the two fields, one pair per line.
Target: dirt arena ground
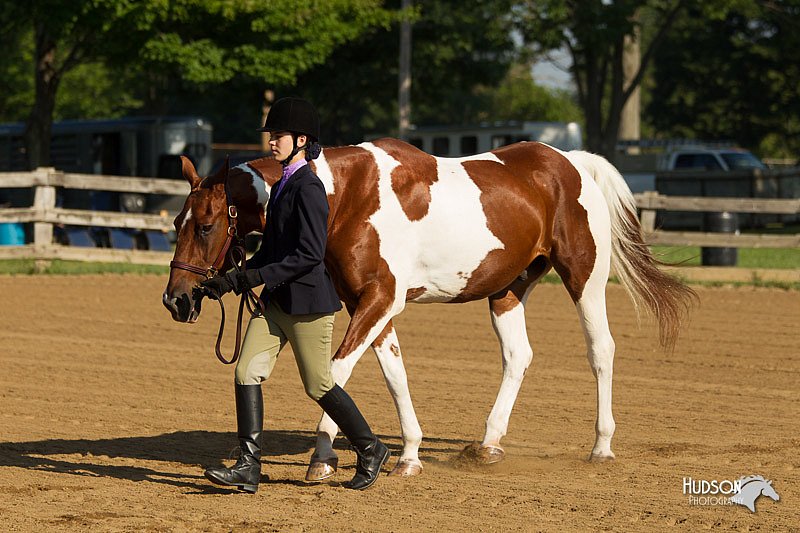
109,412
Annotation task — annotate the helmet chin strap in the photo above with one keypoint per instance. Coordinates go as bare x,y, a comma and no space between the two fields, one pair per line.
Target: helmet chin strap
295,150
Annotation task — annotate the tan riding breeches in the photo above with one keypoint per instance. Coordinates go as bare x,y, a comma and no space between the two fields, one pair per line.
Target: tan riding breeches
310,337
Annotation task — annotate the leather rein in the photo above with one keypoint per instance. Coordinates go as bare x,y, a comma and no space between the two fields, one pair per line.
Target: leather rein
233,250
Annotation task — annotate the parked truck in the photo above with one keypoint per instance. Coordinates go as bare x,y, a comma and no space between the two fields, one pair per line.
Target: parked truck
641,170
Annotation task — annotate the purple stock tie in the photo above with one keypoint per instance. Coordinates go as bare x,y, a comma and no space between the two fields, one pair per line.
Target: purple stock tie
288,171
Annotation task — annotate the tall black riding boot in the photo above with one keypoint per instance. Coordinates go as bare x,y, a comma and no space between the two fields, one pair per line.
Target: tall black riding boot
246,473
372,453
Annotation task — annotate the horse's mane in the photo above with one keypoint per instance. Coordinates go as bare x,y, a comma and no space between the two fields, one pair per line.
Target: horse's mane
745,480
254,162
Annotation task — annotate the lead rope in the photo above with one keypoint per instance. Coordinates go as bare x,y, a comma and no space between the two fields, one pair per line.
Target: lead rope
237,256
255,306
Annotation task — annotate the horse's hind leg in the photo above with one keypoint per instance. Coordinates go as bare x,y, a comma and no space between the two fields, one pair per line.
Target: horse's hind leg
324,460
388,351
600,345
586,283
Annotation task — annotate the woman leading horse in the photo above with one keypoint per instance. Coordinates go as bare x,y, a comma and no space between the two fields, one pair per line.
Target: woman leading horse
300,302
406,226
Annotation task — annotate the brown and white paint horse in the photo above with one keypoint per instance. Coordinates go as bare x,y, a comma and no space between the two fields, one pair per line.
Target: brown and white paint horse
409,227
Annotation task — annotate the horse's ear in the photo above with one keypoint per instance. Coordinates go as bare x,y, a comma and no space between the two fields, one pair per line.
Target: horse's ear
769,482
220,176
189,172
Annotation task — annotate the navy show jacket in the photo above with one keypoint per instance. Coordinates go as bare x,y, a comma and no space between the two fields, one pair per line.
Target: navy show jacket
290,259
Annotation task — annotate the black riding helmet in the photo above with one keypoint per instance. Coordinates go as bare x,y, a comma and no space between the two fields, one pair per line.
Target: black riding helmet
299,117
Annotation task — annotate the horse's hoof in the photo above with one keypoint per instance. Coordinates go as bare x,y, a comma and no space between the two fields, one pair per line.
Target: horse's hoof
321,470
406,469
492,454
477,454
601,457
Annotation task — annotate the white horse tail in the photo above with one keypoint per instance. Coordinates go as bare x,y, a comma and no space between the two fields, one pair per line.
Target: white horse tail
663,296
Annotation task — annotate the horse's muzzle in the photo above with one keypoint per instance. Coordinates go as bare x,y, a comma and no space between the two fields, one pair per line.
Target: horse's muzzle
183,308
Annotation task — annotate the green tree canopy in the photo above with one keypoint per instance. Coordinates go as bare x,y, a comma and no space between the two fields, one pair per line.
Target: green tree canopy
744,86
456,49
596,34
199,41
518,97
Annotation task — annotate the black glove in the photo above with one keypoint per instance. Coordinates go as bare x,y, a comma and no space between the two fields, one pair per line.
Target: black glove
217,286
243,281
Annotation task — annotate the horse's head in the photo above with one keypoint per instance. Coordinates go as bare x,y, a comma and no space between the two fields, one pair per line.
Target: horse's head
769,491
202,228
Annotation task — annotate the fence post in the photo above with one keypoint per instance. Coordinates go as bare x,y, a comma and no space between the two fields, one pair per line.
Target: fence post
648,217
44,201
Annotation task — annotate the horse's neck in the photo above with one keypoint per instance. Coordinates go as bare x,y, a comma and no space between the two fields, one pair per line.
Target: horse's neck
340,169
250,190
267,168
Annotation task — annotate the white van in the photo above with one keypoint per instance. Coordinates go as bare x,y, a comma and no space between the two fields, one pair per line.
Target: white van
459,141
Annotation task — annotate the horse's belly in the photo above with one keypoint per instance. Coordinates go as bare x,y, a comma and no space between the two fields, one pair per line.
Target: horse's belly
438,287
432,296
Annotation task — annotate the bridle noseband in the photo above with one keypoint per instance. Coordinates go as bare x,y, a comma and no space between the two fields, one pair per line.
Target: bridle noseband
234,250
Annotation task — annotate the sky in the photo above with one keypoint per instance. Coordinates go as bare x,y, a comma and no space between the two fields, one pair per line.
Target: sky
552,72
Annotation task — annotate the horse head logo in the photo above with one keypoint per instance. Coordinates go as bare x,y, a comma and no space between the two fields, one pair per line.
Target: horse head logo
751,488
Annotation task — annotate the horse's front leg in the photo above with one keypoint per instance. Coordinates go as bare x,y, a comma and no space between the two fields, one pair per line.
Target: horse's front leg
387,349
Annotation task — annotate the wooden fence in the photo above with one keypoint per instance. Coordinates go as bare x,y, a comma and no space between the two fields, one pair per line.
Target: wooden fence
44,215
650,202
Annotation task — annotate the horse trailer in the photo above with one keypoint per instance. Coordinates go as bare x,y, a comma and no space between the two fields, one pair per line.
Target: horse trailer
458,141
134,146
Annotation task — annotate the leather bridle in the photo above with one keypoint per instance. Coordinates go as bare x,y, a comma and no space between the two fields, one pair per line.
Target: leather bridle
232,249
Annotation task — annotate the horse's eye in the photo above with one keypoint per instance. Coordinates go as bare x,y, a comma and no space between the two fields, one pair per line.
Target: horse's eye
205,229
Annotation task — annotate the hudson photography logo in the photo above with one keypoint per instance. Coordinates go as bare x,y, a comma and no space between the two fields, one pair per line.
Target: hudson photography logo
743,491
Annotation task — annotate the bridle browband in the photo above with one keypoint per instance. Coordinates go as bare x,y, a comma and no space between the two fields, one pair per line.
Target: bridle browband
233,249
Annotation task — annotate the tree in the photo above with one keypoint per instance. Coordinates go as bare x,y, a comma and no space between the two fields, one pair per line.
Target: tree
518,97
594,32
16,83
744,87
456,51
200,41
90,90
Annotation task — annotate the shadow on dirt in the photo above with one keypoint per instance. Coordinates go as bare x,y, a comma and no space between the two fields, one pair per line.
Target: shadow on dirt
195,448
199,449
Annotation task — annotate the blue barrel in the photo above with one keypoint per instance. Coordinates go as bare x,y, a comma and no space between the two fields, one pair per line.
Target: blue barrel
12,234
724,222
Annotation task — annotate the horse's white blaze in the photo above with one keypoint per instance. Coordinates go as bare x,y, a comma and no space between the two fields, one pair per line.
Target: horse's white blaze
323,171
440,251
186,219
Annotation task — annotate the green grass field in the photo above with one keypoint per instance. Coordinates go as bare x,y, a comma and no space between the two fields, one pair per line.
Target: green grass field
29,266
747,257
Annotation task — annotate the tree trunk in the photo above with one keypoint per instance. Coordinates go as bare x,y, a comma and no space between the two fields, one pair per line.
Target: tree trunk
40,121
629,129
592,106
611,124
